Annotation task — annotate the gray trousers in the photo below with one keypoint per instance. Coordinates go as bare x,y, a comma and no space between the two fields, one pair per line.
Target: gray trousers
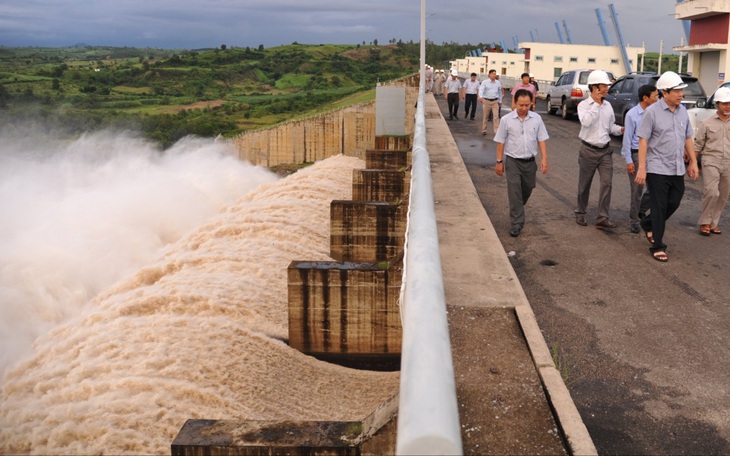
589,161
639,199
521,179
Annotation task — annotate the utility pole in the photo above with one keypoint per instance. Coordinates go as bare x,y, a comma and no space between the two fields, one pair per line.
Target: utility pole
661,50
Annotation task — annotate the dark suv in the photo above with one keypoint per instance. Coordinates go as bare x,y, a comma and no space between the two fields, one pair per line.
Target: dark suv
624,93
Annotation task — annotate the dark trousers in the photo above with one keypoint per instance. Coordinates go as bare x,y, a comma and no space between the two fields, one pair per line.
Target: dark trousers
589,161
665,196
453,101
521,181
470,102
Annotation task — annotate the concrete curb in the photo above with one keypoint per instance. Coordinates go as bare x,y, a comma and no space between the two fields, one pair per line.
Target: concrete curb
504,289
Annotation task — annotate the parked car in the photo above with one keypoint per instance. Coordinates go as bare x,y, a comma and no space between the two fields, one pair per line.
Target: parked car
624,93
570,89
703,109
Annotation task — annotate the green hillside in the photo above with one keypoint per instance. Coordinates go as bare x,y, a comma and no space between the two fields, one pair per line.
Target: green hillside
168,94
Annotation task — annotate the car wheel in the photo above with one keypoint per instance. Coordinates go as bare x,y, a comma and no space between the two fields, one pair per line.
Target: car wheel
550,108
564,109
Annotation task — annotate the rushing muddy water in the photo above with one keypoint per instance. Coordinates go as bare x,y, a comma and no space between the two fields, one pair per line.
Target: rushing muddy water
123,354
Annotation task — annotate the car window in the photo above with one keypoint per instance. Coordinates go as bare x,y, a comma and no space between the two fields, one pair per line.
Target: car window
584,77
617,87
629,86
693,89
560,80
569,78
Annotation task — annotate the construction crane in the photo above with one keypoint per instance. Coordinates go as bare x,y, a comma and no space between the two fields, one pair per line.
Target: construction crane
602,26
560,33
567,32
619,35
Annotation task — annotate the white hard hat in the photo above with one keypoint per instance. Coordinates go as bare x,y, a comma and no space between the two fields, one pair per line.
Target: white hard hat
454,73
670,80
532,75
722,95
598,77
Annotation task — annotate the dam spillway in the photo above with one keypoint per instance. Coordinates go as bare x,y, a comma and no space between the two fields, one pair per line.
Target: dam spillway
198,333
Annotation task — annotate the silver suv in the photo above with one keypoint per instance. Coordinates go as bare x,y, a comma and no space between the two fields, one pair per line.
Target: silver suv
570,89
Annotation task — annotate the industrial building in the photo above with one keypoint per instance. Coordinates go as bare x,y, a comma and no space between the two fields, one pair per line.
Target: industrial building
547,61
709,35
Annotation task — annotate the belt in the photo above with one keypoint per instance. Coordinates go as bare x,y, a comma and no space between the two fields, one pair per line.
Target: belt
491,99
634,151
587,144
531,159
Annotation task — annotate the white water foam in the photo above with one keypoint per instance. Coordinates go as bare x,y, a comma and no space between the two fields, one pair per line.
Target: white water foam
195,334
79,215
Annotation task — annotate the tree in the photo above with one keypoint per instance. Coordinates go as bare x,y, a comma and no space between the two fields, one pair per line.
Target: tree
223,47
375,42
261,47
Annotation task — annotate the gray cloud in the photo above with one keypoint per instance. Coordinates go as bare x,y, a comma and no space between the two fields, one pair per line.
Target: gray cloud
209,23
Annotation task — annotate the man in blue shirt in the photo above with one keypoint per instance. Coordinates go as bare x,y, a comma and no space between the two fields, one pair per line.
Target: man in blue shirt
648,94
520,136
665,142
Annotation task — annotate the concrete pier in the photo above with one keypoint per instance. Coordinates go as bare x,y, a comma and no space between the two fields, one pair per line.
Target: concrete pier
345,309
366,231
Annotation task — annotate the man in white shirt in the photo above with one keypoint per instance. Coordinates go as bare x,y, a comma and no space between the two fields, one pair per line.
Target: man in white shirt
471,89
520,137
490,95
597,122
453,92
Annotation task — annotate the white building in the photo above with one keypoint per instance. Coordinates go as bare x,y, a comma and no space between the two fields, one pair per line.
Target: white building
547,61
708,40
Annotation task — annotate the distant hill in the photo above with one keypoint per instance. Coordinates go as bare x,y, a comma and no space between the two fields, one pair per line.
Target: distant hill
168,94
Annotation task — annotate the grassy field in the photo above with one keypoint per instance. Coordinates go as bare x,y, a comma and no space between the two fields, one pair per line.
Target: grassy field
168,94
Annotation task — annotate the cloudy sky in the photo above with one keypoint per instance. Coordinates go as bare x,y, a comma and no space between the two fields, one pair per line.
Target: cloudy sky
190,24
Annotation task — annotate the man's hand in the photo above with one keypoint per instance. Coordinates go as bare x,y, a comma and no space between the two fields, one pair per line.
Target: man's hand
640,176
630,168
544,166
693,170
499,169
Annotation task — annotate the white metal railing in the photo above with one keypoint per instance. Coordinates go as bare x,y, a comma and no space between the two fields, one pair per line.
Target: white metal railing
428,416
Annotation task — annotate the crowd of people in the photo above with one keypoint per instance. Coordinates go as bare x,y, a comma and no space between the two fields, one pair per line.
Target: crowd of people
659,147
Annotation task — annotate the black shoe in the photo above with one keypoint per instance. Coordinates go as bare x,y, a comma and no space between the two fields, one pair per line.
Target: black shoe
635,228
515,231
580,220
605,224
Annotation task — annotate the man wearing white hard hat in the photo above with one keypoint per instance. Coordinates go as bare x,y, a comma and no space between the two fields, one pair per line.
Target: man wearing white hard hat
665,143
452,87
597,123
713,143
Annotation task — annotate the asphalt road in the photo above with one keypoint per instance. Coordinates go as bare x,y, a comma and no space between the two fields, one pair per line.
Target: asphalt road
643,345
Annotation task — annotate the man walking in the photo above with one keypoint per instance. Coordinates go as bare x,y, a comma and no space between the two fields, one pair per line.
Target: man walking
713,142
525,84
471,89
665,141
453,93
596,126
490,96
520,136
648,94
438,82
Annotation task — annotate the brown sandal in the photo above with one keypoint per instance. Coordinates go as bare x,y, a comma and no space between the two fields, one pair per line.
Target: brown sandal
715,230
705,230
661,256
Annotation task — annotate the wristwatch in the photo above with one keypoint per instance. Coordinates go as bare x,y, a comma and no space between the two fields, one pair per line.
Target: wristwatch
499,161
